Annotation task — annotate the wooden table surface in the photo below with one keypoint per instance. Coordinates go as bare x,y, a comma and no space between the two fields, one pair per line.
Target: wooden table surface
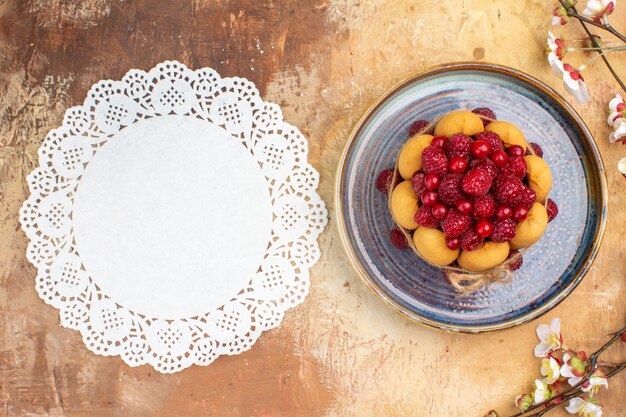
340,353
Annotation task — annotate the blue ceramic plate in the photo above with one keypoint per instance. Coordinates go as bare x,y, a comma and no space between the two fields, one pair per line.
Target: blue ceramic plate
552,267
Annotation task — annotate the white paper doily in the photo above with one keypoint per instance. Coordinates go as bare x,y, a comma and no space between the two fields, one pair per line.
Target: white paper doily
173,217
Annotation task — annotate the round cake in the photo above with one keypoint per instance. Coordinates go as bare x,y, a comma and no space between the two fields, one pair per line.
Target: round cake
469,193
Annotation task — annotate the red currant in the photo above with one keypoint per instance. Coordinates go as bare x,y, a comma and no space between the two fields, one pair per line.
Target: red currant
503,212
457,165
516,150
439,141
500,158
431,181
484,228
453,243
439,211
429,198
464,206
519,213
481,149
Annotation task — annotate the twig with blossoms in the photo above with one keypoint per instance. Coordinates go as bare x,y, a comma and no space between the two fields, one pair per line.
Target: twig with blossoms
595,14
560,366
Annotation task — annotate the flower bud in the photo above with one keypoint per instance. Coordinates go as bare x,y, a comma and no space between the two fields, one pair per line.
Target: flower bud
588,43
579,366
523,402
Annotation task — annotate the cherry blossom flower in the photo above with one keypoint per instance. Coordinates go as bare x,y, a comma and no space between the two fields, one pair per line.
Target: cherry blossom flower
549,338
584,408
617,118
573,368
556,53
575,84
599,10
559,16
550,369
596,380
542,392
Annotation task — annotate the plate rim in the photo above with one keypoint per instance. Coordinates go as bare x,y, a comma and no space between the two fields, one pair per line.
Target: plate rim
557,298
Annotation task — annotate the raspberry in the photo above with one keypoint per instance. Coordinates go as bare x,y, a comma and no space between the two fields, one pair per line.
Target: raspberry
434,161
492,138
486,114
508,190
515,167
471,241
503,230
536,148
528,197
417,183
450,189
424,217
552,209
418,127
455,223
485,164
484,206
458,145
398,239
476,182
517,263
384,181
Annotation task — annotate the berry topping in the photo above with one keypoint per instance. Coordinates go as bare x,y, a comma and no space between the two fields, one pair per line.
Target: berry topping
503,230
476,182
485,164
519,213
492,138
418,183
500,158
431,181
457,165
471,241
552,209
484,206
458,145
424,217
481,149
484,228
536,148
398,239
503,212
384,181
455,223
450,189
439,211
517,263
464,206
439,141
418,127
429,198
516,150
528,197
453,243
487,115
516,167
434,161
508,190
